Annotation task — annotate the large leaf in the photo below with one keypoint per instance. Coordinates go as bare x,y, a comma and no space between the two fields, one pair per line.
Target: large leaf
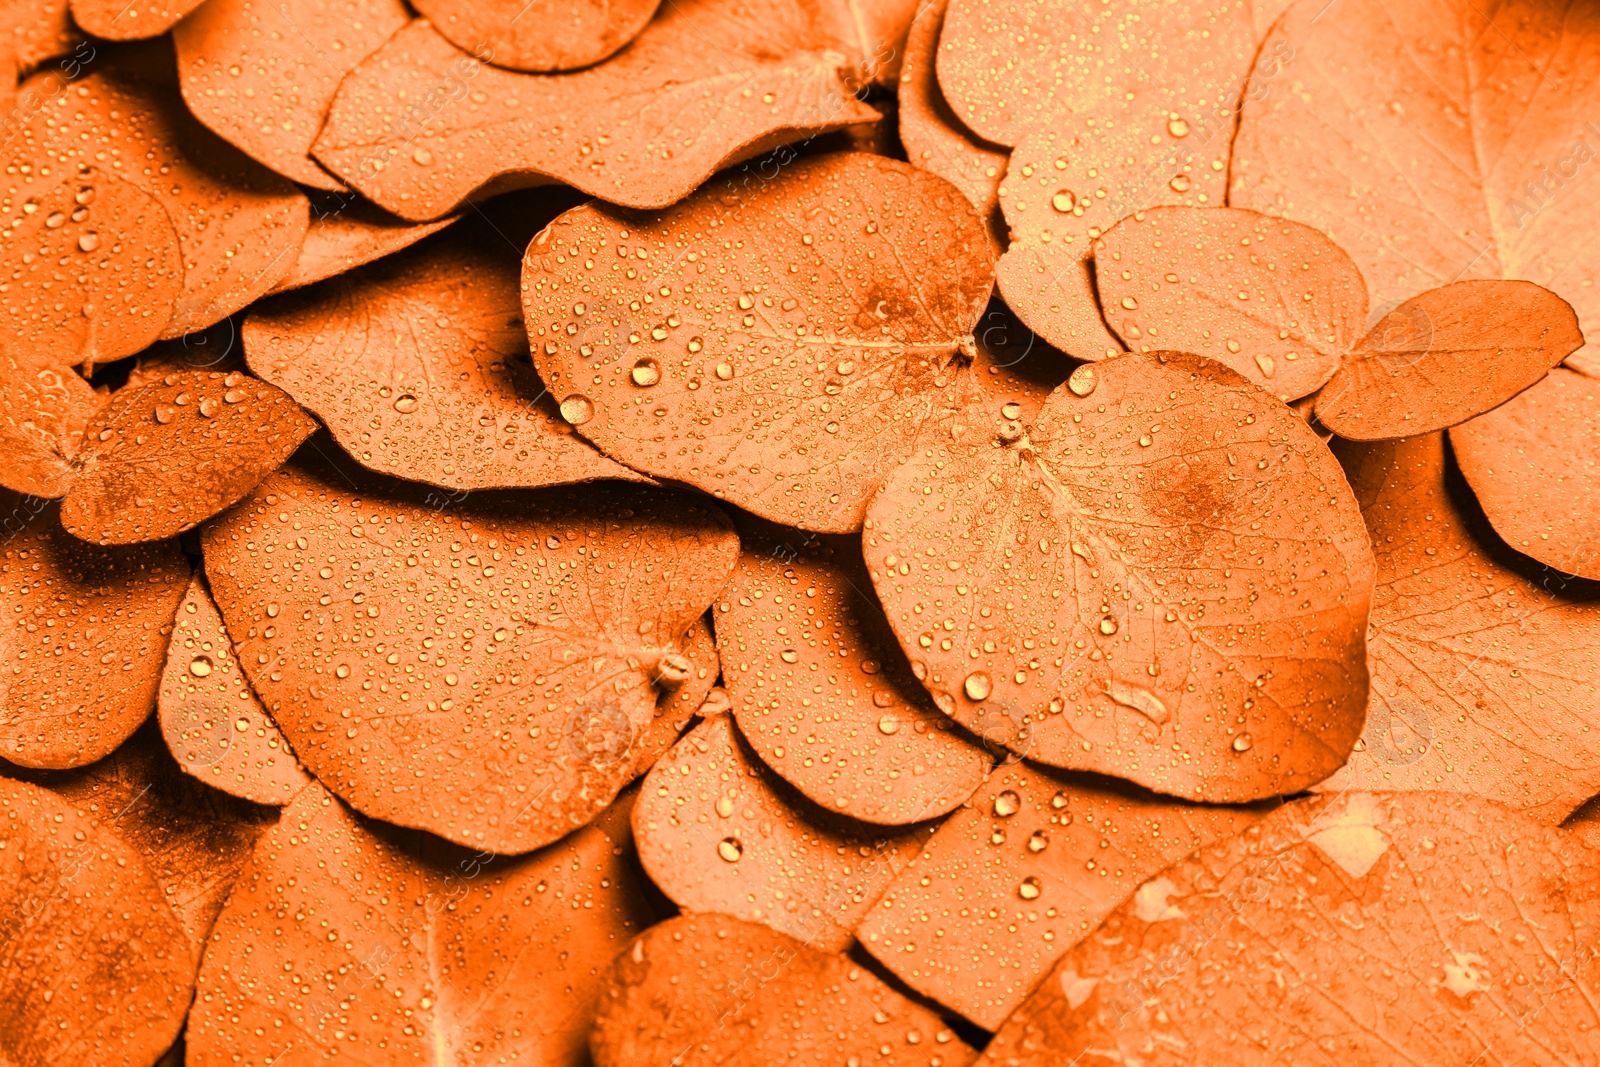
1164,577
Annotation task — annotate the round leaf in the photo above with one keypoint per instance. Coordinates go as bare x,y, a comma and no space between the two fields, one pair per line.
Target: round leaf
542,35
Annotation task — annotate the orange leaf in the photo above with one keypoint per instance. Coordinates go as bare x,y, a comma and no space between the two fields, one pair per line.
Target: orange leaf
1006,883
538,613
677,706
44,414
261,74
539,35
40,30
717,834
790,392
434,954
120,20
345,233
1164,578
706,989
75,689
419,127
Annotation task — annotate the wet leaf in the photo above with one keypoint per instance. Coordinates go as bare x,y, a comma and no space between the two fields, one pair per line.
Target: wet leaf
872,33
1418,137
1028,866
1485,669
163,457
718,833
193,839
1276,301
708,989
44,413
1532,462
642,130
419,365
408,950
675,707
86,629
1447,355
212,721
542,35
262,73
94,967
540,612
1163,577
934,138
789,392
238,225
93,268
346,233
122,21
40,30
1357,929
822,690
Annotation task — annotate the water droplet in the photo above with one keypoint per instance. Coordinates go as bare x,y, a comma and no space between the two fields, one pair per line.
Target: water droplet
88,242
405,402
847,367
233,396
1038,841
646,372
422,157
1179,183
1007,804
977,686
889,724
1130,303
1083,380
1178,128
1060,800
730,849
1268,366
695,344
1064,201
745,303
1145,440
165,413
724,807
577,409
55,220
724,371
210,406
1241,743
1011,410
200,666
1141,700
789,655
1108,626
1029,889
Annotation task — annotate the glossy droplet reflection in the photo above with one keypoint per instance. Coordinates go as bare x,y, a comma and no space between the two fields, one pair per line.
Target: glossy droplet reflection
577,409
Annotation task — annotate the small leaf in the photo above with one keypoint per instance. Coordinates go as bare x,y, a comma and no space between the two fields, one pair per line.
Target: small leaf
707,989
262,76
1324,916
1532,462
96,968
606,130
74,690
1276,301
789,391
1443,357
119,20
543,617
212,721
434,950
346,232
717,833
1164,578
539,35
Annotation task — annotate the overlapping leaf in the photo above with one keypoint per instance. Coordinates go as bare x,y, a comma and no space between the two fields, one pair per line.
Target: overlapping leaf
162,457
789,383
94,967
44,415
238,225
408,950
1031,864
347,233
441,668
123,21
1485,669
211,720
675,707
822,690
717,833
1163,577
38,30
1534,463
1357,929
419,365
419,126
262,73
84,636
708,989
544,35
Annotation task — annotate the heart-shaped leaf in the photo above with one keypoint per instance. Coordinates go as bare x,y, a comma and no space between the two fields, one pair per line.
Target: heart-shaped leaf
406,950
419,126
211,719
1164,578
789,383
717,833
84,638
262,76
538,613
419,365
539,35
821,689
707,989
1032,863
1326,918
1485,669
1276,301
163,457
94,967
1532,461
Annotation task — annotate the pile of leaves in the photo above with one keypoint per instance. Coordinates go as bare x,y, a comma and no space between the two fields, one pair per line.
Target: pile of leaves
1022,532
